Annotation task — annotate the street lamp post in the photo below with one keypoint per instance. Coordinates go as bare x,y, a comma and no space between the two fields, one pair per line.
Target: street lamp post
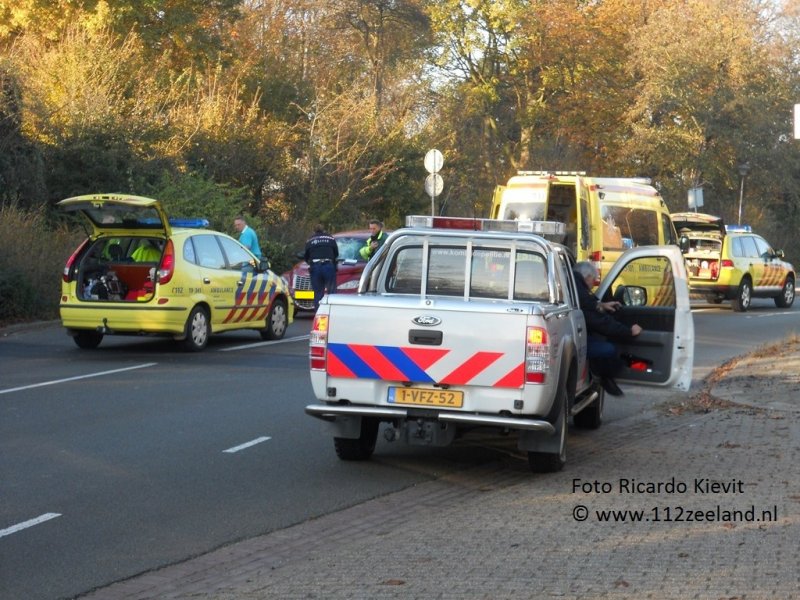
744,169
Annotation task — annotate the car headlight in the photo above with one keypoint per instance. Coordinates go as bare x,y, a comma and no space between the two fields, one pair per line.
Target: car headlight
285,281
348,285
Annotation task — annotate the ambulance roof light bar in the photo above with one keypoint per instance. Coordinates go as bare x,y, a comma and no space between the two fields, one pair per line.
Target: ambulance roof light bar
738,229
543,228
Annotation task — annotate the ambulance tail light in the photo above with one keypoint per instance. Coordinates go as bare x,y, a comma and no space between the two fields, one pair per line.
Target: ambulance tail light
537,355
318,343
727,264
167,267
67,275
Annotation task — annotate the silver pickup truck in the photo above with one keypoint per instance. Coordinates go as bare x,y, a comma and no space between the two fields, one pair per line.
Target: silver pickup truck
462,324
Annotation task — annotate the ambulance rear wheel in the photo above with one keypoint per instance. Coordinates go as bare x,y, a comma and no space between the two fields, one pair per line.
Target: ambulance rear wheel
197,330
744,296
88,340
786,299
362,447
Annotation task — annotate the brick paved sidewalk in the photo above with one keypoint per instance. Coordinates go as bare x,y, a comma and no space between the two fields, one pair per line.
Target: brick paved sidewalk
501,532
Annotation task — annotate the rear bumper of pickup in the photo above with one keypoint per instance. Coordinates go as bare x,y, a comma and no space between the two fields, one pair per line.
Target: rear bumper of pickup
329,412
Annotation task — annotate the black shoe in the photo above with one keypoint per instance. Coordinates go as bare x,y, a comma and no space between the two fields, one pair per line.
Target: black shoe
611,387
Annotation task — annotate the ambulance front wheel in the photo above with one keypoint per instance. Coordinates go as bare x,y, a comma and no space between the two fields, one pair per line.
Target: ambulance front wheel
362,447
277,322
786,297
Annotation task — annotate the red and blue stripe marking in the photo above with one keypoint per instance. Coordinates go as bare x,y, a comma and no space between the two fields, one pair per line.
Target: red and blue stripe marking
394,363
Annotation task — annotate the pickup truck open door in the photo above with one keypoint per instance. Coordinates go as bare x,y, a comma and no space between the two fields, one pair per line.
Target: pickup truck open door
651,283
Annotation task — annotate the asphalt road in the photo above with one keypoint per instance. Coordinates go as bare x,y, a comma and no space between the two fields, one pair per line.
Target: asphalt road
137,455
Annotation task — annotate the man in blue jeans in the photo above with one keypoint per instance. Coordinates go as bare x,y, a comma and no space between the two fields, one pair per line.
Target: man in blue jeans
321,255
604,359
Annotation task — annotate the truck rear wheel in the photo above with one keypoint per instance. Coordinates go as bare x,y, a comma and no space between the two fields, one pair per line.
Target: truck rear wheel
362,447
547,462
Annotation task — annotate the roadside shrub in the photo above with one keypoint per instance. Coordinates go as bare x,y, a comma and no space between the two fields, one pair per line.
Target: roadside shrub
191,195
281,258
16,295
32,256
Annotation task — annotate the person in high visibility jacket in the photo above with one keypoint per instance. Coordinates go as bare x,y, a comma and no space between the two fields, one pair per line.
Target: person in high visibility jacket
146,252
374,241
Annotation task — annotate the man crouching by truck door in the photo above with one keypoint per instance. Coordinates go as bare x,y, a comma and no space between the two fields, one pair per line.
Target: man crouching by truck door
321,255
604,359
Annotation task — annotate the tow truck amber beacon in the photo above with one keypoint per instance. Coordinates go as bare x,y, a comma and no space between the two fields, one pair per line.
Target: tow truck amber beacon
481,329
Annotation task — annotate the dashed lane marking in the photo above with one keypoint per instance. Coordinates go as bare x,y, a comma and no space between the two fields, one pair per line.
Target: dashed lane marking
28,523
258,344
247,444
76,378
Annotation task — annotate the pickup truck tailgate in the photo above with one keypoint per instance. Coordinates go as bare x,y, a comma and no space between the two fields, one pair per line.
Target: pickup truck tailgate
450,343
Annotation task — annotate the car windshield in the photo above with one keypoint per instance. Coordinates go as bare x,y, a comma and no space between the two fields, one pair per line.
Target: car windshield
349,247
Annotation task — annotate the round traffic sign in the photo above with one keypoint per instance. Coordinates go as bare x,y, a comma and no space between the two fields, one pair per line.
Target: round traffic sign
434,184
433,161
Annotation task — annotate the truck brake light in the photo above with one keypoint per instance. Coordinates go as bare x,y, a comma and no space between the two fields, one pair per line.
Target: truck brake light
318,342
537,355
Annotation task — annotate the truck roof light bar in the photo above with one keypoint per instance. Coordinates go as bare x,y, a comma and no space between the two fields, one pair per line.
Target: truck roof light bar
546,173
543,228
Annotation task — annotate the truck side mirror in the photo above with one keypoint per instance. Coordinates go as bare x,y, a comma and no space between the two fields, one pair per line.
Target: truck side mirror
631,295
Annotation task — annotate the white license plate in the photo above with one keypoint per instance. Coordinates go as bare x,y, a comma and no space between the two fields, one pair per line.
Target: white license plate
426,397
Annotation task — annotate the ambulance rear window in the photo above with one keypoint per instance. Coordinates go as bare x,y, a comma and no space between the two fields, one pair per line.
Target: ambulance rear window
624,227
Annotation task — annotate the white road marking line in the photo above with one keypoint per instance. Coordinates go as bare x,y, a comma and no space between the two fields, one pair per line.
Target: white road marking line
247,444
29,523
77,377
257,344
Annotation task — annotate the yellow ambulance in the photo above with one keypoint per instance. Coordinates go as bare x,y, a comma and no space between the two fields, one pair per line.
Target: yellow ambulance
604,216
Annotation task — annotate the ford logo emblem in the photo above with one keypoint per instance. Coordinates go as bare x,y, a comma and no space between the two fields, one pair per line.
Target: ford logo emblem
426,321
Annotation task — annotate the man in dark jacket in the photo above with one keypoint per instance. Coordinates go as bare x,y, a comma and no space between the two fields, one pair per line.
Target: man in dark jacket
321,254
604,359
